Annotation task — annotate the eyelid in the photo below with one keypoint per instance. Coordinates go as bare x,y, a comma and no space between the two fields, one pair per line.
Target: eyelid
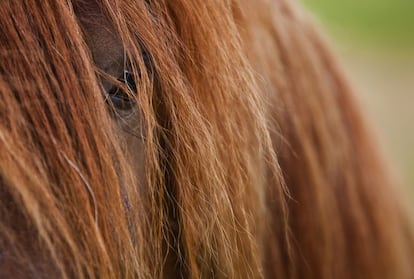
126,75
122,93
126,82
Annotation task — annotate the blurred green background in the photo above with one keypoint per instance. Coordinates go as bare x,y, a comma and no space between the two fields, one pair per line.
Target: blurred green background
375,41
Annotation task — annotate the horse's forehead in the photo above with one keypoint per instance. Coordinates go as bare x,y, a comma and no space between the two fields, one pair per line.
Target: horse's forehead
104,43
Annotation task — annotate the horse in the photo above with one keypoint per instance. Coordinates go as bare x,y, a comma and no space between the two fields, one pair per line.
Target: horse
187,139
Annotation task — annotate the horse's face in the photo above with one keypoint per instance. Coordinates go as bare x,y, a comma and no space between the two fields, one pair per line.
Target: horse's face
138,139
109,57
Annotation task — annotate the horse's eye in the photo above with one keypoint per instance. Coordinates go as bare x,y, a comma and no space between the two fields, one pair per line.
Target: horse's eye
120,99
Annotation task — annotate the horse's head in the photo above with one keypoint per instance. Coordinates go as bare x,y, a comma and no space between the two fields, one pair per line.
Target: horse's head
132,141
121,83
138,139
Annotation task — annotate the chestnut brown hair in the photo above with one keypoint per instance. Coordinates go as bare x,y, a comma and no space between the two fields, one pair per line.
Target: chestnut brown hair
258,161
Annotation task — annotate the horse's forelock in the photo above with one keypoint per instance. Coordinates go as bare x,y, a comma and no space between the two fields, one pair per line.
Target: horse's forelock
57,164
211,171
58,145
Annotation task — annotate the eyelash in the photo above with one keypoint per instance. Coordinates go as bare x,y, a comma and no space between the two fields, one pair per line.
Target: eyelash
120,99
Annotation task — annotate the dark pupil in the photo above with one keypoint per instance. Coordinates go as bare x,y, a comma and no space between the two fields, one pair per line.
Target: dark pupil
120,99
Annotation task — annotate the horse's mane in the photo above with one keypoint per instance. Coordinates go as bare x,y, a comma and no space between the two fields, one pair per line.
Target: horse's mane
258,162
